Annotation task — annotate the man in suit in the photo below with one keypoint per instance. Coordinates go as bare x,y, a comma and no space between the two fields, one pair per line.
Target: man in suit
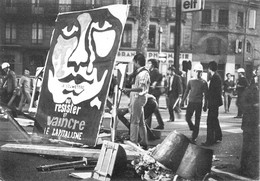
214,133
173,92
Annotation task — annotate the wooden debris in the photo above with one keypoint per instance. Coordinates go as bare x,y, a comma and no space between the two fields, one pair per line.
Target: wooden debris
112,155
62,151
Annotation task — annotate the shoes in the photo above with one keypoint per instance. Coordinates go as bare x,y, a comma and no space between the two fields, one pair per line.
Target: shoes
218,140
159,127
227,111
238,117
193,141
207,144
171,120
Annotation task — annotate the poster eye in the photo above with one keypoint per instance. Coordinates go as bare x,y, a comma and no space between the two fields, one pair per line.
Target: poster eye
105,26
70,32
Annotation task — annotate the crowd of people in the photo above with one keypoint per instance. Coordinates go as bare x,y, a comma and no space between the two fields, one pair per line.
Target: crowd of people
15,94
147,81
208,96
147,84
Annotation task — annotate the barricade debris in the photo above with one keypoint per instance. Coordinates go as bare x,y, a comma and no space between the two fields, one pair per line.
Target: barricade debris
174,157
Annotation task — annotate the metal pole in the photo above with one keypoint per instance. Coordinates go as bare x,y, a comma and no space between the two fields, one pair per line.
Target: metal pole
244,41
177,35
160,39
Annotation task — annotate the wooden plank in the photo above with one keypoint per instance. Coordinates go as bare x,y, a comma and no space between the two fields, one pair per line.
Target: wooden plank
51,150
103,163
112,158
62,151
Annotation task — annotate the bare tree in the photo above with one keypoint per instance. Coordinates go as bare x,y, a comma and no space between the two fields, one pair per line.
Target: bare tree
143,28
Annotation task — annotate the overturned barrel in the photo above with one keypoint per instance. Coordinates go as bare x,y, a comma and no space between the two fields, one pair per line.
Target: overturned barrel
171,151
196,163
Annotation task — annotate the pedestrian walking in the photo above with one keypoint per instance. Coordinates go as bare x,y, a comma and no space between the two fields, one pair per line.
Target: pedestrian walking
155,90
10,88
25,84
214,133
250,126
138,98
197,90
173,93
241,85
229,86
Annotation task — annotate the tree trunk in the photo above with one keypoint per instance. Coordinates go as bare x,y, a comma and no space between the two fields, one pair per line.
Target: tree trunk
143,28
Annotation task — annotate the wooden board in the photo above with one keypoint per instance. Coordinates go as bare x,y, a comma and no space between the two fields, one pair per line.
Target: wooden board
63,151
112,156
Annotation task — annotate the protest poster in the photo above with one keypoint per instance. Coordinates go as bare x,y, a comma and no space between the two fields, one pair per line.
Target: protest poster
78,73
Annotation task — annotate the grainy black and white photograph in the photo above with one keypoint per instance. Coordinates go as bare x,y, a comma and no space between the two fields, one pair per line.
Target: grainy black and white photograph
129,90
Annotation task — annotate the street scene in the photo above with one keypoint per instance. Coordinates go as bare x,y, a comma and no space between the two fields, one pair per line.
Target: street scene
16,166
164,90
227,154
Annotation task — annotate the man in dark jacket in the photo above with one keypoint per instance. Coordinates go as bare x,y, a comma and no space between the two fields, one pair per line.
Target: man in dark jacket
155,90
9,84
242,84
173,93
214,133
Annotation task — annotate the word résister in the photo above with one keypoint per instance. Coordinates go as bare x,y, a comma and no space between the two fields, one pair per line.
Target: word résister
67,108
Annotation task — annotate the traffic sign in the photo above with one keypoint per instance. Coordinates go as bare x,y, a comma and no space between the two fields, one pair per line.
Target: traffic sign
162,57
192,5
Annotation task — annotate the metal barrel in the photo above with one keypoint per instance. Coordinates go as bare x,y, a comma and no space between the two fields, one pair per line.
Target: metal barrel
171,151
196,163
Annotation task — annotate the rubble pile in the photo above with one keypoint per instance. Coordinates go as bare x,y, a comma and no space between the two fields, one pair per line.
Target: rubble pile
148,168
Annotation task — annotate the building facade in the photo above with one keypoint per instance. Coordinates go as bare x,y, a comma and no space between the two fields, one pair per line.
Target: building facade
224,31
227,31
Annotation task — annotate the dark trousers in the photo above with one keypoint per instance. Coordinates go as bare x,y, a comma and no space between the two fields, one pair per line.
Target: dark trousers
156,113
6,96
191,108
158,117
170,101
214,132
239,105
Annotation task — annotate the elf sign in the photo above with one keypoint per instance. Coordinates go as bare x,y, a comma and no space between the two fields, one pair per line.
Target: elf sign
192,5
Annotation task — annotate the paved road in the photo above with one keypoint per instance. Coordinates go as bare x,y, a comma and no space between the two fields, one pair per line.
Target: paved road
18,166
227,152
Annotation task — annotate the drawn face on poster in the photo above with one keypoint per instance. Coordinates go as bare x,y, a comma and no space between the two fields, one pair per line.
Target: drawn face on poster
83,43
78,73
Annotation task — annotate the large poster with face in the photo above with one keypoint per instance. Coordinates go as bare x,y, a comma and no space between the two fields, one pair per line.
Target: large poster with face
78,72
